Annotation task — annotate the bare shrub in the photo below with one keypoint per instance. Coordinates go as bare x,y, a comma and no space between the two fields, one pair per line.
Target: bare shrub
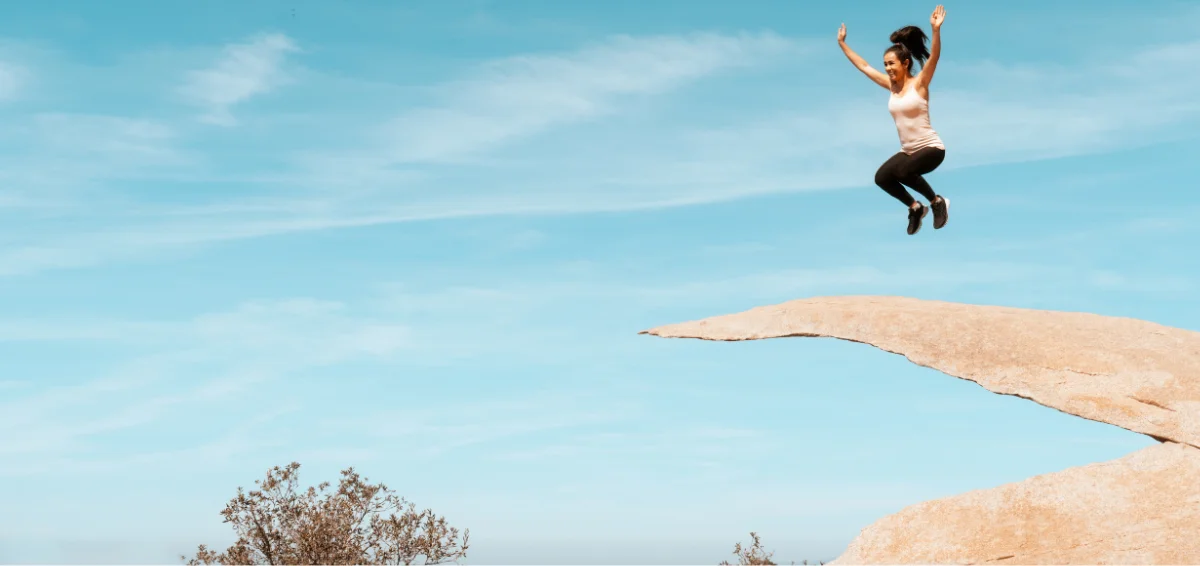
753,556
359,523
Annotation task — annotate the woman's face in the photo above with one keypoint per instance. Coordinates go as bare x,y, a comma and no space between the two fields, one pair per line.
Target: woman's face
891,63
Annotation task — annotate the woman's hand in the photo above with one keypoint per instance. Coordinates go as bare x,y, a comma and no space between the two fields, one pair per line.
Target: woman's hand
842,33
935,20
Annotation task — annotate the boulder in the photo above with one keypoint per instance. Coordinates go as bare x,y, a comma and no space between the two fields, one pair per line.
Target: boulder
1140,509
1143,508
1134,374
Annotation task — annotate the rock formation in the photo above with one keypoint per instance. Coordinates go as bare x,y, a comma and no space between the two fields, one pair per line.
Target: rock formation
1140,509
1145,377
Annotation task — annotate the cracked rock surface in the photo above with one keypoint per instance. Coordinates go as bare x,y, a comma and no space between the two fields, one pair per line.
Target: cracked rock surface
1143,508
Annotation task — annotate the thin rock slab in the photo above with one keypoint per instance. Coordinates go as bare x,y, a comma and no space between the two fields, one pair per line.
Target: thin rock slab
1131,373
1143,508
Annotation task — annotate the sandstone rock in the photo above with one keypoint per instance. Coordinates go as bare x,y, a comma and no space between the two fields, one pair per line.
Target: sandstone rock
1140,509
1138,375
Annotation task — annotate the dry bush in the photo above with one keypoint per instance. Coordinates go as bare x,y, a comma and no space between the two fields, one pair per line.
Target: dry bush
357,524
753,556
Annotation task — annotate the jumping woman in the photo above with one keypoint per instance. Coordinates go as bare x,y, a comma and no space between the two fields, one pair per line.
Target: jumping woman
921,150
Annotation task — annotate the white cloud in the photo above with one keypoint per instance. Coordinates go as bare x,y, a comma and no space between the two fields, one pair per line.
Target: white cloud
438,430
217,355
302,330
520,96
45,330
35,435
700,443
1142,283
986,111
45,448
13,79
504,100
185,365
58,160
311,331
447,160
472,306
836,143
125,145
1026,111
245,70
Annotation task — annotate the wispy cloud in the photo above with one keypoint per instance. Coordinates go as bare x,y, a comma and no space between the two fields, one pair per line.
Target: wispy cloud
1041,112
988,112
698,443
1142,283
497,103
1020,112
520,96
64,161
469,423
505,298
312,330
116,146
56,449
183,367
245,70
44,330
13,78
461,155
302,329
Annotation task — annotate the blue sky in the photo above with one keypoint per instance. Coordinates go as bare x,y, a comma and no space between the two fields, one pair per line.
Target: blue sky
420,239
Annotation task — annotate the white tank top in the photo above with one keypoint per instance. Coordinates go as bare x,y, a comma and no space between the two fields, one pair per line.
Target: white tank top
911,113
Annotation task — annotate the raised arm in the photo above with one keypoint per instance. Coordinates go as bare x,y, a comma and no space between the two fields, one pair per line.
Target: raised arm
935,51
860,63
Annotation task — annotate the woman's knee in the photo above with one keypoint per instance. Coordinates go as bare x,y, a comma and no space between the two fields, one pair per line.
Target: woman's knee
885,177
905,171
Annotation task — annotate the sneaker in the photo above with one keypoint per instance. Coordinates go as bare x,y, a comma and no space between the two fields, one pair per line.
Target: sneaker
941,211
914,218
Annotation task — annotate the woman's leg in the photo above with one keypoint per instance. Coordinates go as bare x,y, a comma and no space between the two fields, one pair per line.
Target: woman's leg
888,178
921,162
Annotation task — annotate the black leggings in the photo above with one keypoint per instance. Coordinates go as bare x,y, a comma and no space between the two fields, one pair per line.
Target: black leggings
904,169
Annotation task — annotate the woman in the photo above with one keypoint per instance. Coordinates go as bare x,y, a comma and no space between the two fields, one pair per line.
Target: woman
921,150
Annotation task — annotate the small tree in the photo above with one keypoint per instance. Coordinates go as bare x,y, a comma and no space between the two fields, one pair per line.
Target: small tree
751,556
358,524
754,555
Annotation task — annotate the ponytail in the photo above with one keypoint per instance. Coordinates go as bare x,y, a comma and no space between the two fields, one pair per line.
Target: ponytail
908,43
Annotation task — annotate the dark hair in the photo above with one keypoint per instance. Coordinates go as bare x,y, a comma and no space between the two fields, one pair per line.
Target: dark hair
908,43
